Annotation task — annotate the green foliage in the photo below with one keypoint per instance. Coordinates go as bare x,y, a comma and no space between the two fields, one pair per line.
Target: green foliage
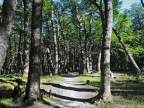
47,5
123,24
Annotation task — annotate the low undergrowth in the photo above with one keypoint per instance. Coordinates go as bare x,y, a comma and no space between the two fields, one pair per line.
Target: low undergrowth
6,101
8,82
127,89
48,78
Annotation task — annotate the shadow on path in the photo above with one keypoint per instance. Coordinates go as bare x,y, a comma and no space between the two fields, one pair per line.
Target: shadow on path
67,98
71,88
70,93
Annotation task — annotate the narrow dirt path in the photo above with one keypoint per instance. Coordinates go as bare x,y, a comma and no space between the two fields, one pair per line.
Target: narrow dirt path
70,93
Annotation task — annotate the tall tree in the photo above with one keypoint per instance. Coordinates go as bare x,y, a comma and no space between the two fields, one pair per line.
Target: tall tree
107,20
8,13
55,39
33,84
26,40
105,91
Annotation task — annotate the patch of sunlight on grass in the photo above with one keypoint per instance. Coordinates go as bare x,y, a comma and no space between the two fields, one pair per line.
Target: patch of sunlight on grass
6,86
48,99
94,80
47,78
6,101
10,78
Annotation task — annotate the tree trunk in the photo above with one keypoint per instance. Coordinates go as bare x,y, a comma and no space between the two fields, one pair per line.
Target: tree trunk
8,13
26,41
10,56
105,91
33,84
55,41
19,55
15,54
99,60
58,49
90,62
87,62
142,3
127,52
49,61
81,57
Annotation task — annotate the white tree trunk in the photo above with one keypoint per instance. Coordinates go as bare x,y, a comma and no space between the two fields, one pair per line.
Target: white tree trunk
105,91
55,41
26,41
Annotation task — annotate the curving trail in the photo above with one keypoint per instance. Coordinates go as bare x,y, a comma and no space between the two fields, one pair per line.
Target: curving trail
70,93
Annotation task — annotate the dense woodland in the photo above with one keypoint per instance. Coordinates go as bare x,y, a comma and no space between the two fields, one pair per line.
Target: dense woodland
50,37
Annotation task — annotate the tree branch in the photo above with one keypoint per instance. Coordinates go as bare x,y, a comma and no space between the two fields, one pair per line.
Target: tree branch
142,3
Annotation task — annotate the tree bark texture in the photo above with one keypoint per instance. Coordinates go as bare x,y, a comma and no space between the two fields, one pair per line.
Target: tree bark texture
99,62
19,55
8,14
55,41
26,40
105,91
33,84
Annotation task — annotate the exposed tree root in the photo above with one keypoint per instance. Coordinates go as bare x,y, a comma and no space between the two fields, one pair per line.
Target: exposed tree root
101,98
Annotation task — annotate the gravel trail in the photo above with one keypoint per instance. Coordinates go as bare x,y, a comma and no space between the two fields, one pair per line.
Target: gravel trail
70,93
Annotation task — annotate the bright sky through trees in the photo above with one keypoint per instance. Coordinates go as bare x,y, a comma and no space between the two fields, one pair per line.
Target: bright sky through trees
128,3
1,1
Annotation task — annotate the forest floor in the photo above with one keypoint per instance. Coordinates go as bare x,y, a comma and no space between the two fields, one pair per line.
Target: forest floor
127,89
71,91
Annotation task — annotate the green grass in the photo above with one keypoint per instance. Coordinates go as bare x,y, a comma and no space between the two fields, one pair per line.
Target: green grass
126,89
48,99
130,101
6,101
47,78
93,78
6,86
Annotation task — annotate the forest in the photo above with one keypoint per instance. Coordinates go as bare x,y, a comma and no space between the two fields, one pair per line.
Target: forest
71,54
